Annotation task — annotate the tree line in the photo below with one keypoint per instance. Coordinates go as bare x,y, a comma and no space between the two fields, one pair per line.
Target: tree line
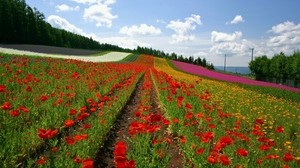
281,67
20,24
174,56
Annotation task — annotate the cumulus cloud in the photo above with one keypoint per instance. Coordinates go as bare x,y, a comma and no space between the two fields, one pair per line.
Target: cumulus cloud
98,11
217,37
285,34
91,2
143,29
65,8
125,42
237,19
182,28
100,14
62,23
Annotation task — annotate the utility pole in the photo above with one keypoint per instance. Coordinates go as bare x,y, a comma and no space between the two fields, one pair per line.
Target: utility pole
252,53
225,63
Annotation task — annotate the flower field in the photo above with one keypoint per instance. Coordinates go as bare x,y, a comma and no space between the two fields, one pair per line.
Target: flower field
197,70
70,113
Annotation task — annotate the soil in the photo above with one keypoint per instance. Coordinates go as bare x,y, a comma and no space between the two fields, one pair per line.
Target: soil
50,49
119,131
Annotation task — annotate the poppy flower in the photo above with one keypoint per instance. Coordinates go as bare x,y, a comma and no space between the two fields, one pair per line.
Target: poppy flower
72,112
242,152
224,159
6,106
199,151
69,123
2,88
188,106
70,140
47,134
77,160
24,109
41,161
88,163
14,113
87,126
288,157
226,140
279,129
28,89
54,149
44,98
212,159
264,147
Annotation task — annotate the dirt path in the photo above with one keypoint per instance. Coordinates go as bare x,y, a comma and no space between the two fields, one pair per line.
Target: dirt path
104,156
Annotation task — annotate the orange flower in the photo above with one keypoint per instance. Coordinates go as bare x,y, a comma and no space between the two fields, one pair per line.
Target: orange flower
69,123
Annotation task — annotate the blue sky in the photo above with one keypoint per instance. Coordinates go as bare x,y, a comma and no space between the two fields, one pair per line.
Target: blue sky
200,28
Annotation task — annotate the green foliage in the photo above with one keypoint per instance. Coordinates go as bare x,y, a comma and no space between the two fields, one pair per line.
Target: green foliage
280,67
20,24
174,56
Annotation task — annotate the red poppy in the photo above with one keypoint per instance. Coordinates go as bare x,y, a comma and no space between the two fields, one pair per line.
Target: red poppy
41,161
264,147
54,149
242,152
44,98
88,163
166,122
212,159
69,123
24,109
2,88
77,160
207,136
226,140
70,140
182,139
259,121
72,112
87,126
224,159
199,115
288,157
14,113
199,151
189,115
47,134
279,129
28,89
175,120
6,106
188,106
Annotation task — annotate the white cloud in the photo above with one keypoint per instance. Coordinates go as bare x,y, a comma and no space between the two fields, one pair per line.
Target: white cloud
62,23
237,19
182,28
100,14
217,37
286,37
125,42
64,8
91,2
143,29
